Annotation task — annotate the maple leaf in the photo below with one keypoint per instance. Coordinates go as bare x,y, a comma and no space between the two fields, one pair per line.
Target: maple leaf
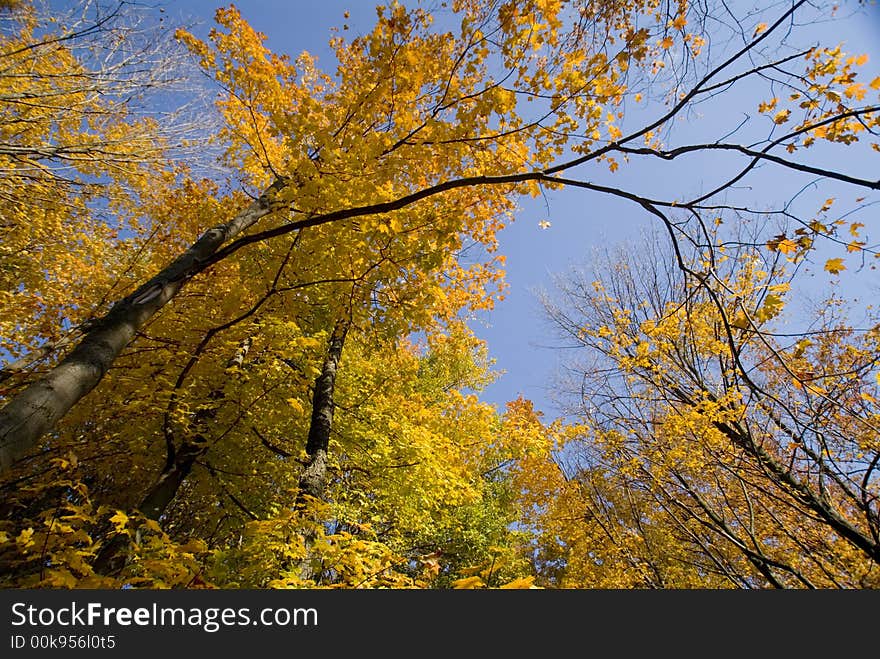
119,520
781,117
766,106
782,244
771,308
834,266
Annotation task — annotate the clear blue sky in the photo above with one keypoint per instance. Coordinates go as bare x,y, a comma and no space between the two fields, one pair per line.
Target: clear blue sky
518,336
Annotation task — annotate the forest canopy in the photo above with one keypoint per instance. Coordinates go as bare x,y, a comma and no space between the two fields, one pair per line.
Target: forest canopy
238,290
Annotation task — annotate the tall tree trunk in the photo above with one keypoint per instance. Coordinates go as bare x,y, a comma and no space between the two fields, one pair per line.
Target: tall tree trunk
314,478
34,411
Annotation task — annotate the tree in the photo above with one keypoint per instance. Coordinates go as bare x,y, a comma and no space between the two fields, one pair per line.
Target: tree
290,124
80,150
758,455
365,191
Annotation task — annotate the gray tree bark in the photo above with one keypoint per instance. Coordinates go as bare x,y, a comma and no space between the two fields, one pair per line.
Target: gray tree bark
314,478
35,411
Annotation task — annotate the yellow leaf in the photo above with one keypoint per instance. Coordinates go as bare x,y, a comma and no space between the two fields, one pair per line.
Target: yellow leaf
666,43
769,105
195,545
25,538
521,583
800,347
834,266
740,321
119,520
773,304
544,224
786,246
782,244
295,405
781,117
856,90
816,389
875,83
432,565
759,28
468,583
61,578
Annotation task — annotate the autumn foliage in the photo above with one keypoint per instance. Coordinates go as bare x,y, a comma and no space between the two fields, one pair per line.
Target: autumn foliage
249,364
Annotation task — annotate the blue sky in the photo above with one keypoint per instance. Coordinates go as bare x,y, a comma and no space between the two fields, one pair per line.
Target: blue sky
518,336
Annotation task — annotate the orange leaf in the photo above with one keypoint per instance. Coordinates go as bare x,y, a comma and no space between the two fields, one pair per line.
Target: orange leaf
834,266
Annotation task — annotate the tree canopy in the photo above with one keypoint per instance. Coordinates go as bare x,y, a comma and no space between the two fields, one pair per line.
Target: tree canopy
237,343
